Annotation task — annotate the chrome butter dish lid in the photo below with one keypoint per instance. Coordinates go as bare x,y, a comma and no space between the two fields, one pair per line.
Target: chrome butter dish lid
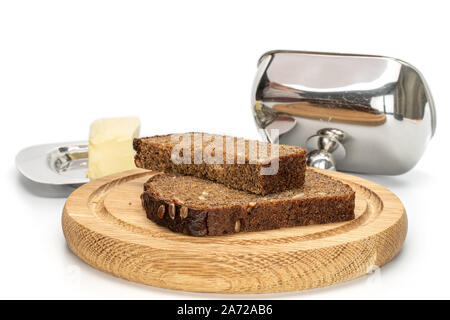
57,163
358,113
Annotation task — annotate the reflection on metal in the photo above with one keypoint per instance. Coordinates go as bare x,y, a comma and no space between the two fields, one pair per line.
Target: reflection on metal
382,104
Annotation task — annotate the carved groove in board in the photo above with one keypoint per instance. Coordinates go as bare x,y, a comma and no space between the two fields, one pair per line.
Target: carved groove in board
373,207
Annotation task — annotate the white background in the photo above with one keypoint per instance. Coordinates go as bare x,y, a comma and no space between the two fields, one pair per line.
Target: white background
189,65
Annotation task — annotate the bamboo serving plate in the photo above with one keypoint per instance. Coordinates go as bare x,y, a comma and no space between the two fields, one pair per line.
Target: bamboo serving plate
105,225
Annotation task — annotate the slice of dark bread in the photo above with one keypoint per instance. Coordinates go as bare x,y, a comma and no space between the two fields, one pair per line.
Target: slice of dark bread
246,165
200,207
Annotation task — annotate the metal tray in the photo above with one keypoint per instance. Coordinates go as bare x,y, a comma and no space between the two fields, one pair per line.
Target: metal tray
63,163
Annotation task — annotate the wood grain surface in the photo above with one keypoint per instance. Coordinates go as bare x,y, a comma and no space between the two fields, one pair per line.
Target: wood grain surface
105,225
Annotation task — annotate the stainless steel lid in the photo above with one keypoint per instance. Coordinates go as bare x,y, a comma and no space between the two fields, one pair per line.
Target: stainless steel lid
359,113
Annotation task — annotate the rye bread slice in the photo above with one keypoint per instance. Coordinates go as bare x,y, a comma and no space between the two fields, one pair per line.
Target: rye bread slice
246,165
200,207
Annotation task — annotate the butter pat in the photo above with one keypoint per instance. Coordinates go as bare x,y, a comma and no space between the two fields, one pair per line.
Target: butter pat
111,146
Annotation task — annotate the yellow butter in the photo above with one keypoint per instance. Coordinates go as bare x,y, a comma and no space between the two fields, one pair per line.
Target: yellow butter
111,146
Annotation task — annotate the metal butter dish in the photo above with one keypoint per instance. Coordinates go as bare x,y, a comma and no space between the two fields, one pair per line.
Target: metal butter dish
56,163
358,113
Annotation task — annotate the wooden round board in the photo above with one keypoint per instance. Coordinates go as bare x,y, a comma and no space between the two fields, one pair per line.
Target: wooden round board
105,225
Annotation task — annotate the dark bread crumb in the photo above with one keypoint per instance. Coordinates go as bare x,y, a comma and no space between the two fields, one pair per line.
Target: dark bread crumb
154,153
202,207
